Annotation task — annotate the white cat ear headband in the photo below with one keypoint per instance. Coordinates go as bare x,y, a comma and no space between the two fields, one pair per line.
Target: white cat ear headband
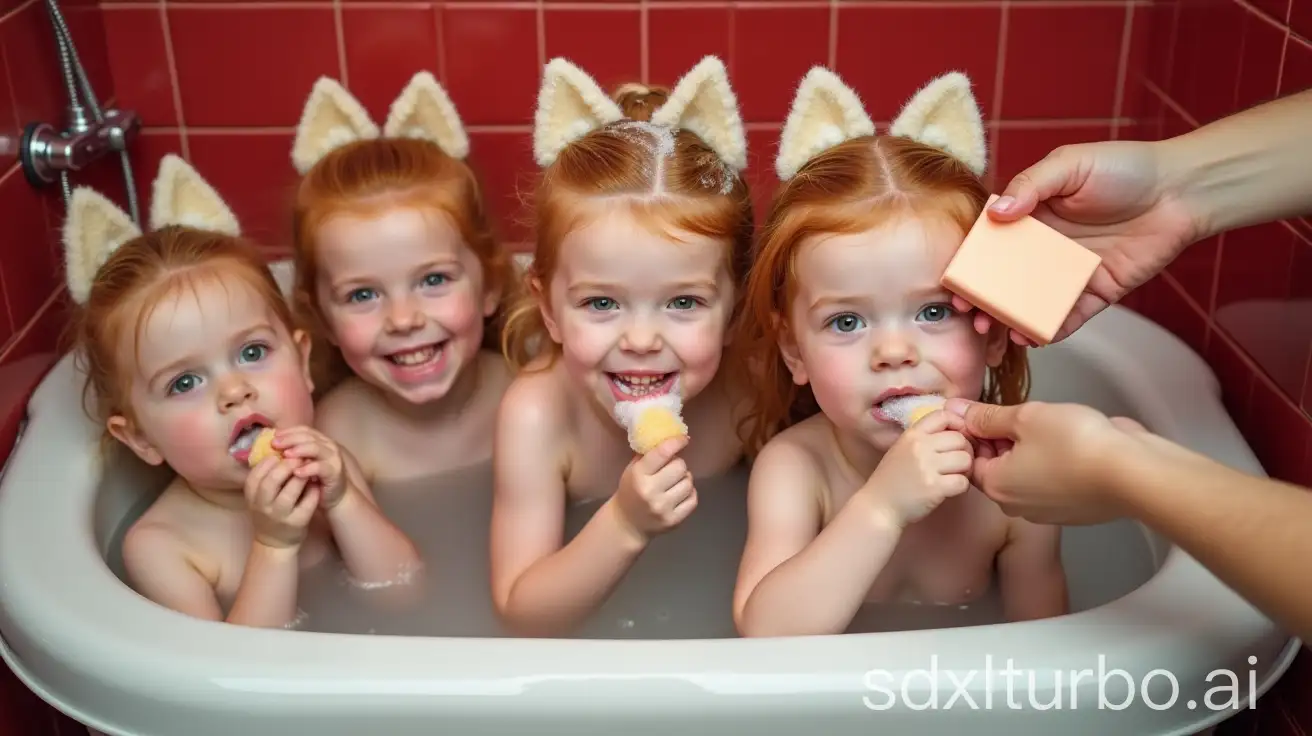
333,118
96,227
826,112
571,104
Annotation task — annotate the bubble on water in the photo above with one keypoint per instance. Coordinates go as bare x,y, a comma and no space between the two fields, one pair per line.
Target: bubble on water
662,616
627,623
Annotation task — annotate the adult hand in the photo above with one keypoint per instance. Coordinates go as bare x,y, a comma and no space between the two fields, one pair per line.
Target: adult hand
1119,199
1048,463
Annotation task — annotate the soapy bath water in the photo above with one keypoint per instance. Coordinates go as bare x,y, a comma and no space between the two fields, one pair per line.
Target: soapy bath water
680,588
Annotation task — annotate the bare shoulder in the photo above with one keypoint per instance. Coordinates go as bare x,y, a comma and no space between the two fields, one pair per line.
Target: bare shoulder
161,537
533,419
344,414
793,459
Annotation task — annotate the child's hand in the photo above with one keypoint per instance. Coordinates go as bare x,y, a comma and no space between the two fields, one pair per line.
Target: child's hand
280,504
931,461
656,492
320,461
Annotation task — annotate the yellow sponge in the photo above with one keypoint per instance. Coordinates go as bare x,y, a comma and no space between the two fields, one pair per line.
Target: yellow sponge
654,425
651,421
262,447
920,413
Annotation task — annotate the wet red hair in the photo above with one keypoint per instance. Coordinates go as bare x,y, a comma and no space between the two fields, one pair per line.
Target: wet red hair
619,165
850,188
134,280
371,176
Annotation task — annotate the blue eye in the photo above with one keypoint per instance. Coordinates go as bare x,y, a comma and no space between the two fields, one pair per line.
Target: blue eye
684,302
435,279
184,383
935,313
254,352
846,322
600,303
360,295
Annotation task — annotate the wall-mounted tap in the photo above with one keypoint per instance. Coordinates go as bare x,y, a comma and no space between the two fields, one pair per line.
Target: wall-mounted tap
48,154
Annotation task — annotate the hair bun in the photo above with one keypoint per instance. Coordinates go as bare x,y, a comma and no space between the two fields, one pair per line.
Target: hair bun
638,101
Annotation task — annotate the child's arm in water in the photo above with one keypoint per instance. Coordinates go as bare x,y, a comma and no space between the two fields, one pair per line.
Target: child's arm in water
160,565
798,579
374,549
539,587
1030,572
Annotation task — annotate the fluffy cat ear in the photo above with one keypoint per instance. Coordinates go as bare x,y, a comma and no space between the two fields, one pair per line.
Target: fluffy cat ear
945,115
704,103
94,229
825,112
331,118
570,105
180,196
424,110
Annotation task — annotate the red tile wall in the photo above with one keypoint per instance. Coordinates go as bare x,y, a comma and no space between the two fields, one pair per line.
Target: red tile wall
222,84
32,303
1242,299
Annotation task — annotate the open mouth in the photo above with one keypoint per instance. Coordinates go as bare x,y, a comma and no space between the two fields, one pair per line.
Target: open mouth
243,435
630,386
878,405
417,357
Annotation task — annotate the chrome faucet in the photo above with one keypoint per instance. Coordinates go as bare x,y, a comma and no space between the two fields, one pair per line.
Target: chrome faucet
48,154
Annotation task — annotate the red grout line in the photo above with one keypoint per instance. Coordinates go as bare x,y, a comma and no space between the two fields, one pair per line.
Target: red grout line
171,60
441,46
1260,14
644,42
832,55
40,312
339,30
1122,68
17,10
999,78
1284,53
541,16
1259,372
1175,106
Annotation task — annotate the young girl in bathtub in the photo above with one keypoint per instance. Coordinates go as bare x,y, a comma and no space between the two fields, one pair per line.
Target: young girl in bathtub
190,351
400,277
843,311
643,233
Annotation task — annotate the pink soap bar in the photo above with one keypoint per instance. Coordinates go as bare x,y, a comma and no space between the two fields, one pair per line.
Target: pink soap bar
1023,273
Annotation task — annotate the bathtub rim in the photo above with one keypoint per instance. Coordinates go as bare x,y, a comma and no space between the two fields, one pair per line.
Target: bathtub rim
170,650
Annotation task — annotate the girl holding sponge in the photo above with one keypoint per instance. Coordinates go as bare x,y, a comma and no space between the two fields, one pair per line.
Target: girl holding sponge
868,499
643,230
193,359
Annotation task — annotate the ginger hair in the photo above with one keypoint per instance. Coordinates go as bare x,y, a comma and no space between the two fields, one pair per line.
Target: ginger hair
683,188
136,278
849,188
371,176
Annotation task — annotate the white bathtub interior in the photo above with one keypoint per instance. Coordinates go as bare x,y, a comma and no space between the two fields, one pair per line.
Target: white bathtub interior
665,637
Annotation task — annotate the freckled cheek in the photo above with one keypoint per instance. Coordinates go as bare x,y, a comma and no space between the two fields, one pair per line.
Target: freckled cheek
959,357
698,346
458,314
838,373
586,343
356,334
289,395
190,438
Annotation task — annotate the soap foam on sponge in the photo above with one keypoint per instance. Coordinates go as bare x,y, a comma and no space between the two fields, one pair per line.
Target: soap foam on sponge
651,421
907,410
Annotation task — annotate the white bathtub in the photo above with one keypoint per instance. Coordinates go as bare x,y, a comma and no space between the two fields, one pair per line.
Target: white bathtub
108,658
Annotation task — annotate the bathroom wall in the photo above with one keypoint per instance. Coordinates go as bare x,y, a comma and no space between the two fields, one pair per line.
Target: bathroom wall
32,306
223,84
1243,299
